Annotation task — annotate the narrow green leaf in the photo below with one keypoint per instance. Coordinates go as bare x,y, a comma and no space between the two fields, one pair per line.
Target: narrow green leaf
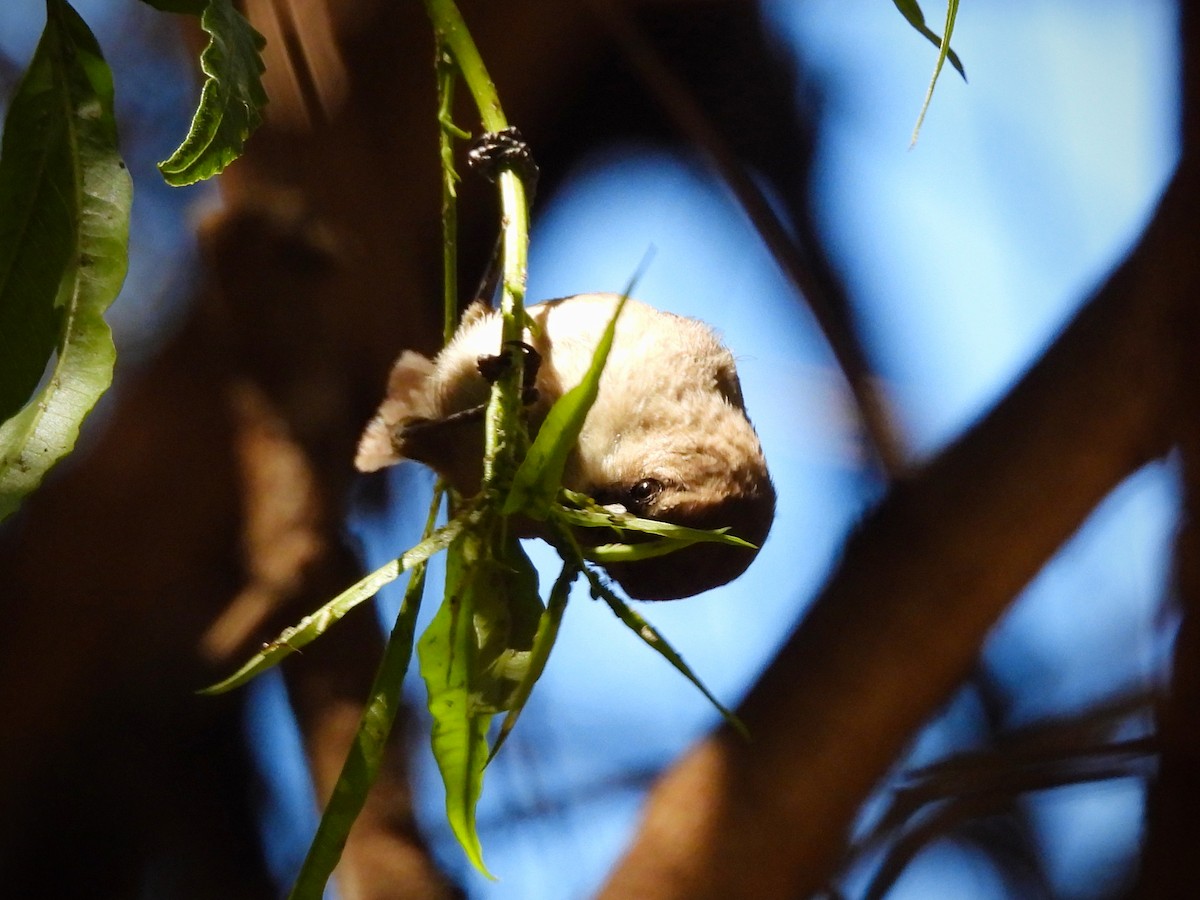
539,476
620,553
943,52
650,636
581,510
912,12
313,626
230,102
459,736
64,228
366,753
539,654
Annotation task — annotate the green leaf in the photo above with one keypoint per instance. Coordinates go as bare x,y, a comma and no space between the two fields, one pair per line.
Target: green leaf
620,553
537,480
506,611
912,12
943,53
539,654
313,626
459,736
650,636
64,228
580,510
230,102
366,753
475,658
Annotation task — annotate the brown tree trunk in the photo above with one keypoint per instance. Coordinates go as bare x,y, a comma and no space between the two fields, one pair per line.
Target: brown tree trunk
900,622
1173,833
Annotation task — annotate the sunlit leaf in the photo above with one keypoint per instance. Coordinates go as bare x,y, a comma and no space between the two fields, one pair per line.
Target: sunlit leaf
539,654
64,226
943,53
539,477
313,626
459,736
580,510
605,554
366,753
912,12
506,614
231,101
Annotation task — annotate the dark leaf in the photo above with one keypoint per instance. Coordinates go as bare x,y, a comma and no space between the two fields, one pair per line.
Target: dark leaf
64,226
230,102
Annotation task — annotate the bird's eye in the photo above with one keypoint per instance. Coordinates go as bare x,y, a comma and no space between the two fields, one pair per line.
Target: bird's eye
644,492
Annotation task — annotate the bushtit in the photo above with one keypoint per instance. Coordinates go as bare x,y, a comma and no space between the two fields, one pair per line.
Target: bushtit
667,438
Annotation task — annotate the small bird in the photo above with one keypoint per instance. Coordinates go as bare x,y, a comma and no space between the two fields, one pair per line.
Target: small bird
667,438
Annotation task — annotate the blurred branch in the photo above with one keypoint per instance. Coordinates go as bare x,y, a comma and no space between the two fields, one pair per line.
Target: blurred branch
801,258
901,620
1173,827
935,802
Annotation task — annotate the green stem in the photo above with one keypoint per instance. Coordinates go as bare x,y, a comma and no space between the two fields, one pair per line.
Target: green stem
451,31
503,419
447,132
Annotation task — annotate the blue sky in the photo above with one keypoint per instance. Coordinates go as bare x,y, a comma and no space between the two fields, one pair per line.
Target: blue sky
964,255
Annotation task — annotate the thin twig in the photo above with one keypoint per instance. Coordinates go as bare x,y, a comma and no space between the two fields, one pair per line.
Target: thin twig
901,620
829,310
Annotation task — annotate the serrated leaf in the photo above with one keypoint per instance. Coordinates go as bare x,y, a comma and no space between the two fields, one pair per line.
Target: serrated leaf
459,735
313,626
230,102
539,477
64,228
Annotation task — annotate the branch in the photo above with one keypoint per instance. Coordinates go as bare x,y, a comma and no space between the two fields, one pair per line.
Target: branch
1172,828
901,620
800,258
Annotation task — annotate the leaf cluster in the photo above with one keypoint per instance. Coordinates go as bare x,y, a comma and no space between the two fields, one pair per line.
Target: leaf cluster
65,200
490,640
